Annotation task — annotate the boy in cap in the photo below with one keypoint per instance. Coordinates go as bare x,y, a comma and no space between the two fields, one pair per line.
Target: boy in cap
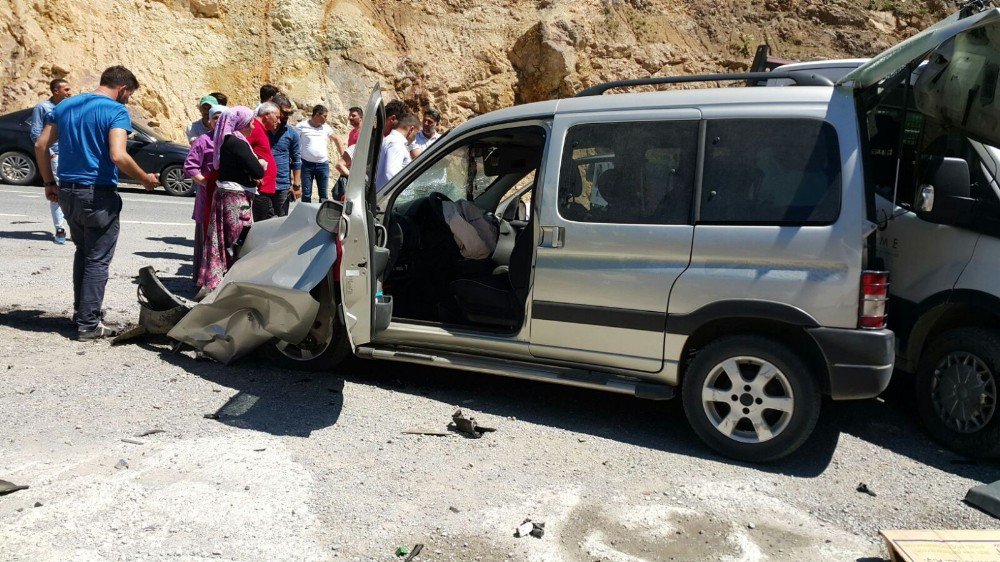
200,127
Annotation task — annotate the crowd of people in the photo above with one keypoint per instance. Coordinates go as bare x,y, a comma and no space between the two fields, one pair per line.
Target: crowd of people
247,165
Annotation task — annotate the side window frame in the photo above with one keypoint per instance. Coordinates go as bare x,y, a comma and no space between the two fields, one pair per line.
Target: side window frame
399,184
696,146
704,163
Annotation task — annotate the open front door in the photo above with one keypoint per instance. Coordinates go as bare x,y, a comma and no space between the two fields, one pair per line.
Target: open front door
357,229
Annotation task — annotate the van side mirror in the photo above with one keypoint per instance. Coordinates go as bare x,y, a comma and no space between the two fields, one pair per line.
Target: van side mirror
328,216
943,195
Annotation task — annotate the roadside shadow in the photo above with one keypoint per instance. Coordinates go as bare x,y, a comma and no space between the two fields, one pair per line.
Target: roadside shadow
893,424
33,320
173,240
165,255
26,235
267,399
644,423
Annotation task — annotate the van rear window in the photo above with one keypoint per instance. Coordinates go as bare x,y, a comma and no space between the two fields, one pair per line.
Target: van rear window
758,171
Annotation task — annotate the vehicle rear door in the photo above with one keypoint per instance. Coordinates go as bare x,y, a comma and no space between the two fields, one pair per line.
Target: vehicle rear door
358,278
613,243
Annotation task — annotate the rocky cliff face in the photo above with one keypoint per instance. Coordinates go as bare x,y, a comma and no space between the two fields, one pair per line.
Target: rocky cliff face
464,57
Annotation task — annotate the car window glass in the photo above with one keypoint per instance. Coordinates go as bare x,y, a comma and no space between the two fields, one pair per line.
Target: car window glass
771,171
449,176
629,173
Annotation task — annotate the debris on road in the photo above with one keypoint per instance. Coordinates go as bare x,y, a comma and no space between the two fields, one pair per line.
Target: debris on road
150,432
417,548
10,487
530,527
133,441
38,504
432,432
454,509
159,309
402,551
121,464
864,489
467,425
986,498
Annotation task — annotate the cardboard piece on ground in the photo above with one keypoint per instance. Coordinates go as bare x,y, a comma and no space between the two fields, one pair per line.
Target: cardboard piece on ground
943,546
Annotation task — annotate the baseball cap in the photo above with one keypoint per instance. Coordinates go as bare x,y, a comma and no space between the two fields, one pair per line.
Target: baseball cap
210,100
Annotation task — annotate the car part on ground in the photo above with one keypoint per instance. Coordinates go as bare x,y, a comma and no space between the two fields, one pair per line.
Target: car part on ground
159,309
957,383
17,168
985,497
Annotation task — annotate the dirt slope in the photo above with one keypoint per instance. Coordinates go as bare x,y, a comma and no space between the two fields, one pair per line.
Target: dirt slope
462,56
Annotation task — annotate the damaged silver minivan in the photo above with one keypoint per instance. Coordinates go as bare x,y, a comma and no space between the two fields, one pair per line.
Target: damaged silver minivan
712,240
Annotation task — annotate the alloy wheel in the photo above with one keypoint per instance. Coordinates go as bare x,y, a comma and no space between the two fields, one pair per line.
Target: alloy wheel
17,168
748,399
964,392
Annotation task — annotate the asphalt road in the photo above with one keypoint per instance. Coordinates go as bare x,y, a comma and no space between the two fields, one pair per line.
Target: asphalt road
317,467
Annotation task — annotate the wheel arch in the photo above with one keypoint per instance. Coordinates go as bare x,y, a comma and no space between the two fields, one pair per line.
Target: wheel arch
946,311
781,322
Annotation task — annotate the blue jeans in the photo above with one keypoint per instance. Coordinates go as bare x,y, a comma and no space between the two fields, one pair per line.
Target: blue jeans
92,215
320,171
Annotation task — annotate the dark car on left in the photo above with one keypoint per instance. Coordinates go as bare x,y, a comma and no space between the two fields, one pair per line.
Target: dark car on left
150,151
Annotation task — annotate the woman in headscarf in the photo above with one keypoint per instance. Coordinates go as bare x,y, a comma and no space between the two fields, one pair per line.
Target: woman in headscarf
239,174
200,167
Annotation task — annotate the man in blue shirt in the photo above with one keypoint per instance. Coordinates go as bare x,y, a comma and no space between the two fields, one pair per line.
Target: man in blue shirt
39,117
286,148
92,130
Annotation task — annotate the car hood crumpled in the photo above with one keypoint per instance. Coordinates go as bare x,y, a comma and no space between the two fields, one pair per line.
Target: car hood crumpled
266,294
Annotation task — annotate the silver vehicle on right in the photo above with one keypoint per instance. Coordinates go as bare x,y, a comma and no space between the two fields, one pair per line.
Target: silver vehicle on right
716,244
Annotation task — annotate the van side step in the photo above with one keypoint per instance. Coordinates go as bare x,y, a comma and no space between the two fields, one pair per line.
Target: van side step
522,370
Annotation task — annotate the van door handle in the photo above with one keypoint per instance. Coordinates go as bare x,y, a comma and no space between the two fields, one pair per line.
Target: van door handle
552,236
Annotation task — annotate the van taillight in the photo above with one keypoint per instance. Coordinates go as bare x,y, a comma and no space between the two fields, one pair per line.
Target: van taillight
874,295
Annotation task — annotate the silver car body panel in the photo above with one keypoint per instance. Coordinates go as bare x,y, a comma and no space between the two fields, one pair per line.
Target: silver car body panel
266,294
604,288
816,269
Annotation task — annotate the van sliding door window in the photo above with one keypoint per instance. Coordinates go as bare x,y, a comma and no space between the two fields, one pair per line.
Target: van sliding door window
629,173
771,171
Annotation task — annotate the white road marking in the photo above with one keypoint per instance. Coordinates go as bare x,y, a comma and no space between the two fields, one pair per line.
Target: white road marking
31,196
127,197
152,222
10,215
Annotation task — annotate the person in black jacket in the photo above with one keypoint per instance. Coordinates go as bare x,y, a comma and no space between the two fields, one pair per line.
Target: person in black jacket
240,172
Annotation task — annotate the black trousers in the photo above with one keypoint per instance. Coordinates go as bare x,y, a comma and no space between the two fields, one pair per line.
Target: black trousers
267,206
92,216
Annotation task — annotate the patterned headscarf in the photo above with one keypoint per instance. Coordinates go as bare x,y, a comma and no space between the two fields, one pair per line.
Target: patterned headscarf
230,123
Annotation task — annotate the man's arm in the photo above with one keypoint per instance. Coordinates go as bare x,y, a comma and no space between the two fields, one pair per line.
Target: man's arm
117,141
50,134
37,122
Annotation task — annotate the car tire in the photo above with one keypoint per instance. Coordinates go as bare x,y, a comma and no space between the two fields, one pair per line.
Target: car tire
17,168
325,347
732,416
957,385
173,180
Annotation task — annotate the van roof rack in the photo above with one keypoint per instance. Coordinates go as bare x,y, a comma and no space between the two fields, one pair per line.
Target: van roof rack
800,77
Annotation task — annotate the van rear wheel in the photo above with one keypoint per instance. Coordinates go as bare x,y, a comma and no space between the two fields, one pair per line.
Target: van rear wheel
958,379
750,398
325,346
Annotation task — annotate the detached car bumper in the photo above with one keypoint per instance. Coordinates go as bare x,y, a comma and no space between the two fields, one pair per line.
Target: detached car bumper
859,361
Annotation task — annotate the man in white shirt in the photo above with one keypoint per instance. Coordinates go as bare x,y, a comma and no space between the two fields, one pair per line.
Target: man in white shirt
428,134
316,136
395,155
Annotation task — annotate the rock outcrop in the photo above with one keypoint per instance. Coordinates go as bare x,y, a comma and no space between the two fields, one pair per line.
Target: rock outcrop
464,57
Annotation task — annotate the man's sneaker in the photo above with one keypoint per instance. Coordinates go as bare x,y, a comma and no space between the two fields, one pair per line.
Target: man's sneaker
60,237
100,332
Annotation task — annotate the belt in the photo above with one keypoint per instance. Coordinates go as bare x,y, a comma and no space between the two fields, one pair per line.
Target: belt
73,185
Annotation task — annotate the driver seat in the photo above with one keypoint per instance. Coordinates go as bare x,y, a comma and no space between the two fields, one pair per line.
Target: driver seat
498,300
